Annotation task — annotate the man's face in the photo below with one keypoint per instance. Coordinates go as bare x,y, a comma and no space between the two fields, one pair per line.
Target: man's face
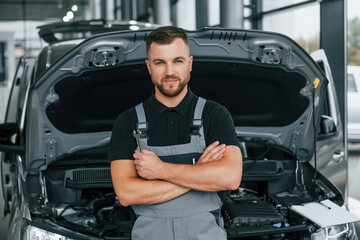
169,66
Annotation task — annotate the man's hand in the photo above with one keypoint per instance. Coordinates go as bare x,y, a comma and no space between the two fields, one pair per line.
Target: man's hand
148,165
213,152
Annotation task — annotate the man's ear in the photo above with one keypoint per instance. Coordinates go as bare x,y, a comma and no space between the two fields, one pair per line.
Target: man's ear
148,65
190,62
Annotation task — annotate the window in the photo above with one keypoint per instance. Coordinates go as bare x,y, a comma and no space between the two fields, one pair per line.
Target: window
351,83
302,24
271,5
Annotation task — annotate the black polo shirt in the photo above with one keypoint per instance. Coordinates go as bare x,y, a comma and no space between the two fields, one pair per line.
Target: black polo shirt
171,126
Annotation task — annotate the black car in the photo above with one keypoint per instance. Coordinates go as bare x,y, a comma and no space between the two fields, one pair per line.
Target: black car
56,176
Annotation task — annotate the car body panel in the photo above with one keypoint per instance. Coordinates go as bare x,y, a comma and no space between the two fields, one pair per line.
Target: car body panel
331,158
17,100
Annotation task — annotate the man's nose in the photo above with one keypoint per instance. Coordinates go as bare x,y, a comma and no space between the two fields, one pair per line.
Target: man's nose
170,70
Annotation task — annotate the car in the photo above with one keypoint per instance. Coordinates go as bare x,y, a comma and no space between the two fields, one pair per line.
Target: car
353,100
56,136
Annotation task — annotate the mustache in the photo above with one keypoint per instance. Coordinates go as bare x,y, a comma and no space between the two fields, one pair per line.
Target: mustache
172,77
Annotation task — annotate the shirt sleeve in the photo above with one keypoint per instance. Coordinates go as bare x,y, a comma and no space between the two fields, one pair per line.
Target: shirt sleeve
219,125
122,142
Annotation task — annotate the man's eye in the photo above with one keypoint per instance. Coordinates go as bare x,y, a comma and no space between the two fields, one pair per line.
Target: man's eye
158,63
178,61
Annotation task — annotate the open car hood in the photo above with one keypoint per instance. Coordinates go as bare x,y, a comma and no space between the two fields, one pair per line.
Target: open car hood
63,31
270,85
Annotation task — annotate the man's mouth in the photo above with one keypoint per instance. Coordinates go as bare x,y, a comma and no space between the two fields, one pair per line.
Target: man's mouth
171,80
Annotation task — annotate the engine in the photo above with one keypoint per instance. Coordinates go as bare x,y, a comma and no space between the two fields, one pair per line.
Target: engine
83,200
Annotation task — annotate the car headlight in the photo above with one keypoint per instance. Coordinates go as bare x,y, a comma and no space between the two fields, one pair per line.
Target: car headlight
338,232
38,233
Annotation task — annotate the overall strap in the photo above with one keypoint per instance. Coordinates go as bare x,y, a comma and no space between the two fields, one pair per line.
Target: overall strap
199,108
142,124
197,129
140,112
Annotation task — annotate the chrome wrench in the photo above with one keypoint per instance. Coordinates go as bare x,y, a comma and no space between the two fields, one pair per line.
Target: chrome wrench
137,135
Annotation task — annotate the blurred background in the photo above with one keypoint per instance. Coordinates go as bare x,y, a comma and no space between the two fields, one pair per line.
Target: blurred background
330,24
299,19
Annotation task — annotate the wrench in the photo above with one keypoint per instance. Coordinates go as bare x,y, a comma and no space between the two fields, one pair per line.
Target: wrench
137,135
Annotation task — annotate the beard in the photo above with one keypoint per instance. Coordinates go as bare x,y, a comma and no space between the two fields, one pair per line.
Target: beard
173,91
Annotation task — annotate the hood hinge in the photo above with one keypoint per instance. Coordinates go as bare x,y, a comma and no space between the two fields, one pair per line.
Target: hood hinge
50,155
294,143
50,150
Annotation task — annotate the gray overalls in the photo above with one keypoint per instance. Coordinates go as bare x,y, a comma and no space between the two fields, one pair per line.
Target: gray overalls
194,215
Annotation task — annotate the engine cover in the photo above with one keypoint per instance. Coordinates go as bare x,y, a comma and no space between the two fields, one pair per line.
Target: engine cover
251,213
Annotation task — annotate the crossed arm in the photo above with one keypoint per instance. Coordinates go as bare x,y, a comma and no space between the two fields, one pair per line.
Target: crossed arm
219,168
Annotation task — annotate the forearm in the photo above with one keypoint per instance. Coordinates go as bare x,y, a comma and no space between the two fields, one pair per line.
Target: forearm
139,191
224,174
130,189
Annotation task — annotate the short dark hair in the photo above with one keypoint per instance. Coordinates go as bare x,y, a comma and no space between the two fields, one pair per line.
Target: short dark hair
166,35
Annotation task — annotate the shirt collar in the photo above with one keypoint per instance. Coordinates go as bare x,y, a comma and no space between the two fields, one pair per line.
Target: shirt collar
180,108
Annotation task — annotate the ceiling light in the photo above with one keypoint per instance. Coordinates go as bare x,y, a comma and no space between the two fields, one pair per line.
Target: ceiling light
70,14
133,22
134,27
66,19
74,8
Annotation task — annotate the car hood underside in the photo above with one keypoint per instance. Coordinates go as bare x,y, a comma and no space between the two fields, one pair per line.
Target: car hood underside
267,82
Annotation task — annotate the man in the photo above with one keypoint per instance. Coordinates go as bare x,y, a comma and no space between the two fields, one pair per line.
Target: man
172,182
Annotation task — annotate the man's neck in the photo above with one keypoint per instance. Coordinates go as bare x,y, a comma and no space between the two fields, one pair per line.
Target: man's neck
171,101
